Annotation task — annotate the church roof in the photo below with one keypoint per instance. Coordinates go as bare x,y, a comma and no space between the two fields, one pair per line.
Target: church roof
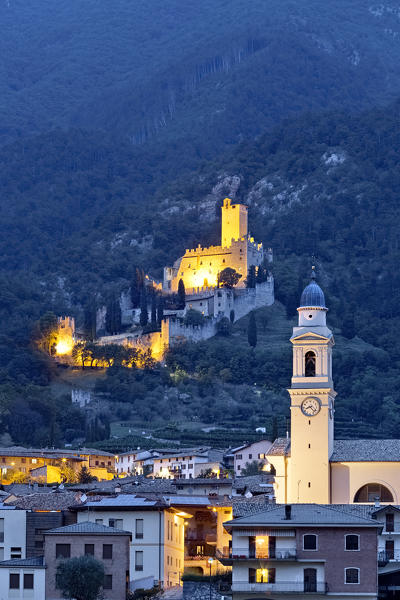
304,515
312,296
366,451
280,447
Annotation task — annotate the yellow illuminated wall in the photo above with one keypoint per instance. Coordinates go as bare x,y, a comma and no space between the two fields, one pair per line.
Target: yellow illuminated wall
200,267
233,222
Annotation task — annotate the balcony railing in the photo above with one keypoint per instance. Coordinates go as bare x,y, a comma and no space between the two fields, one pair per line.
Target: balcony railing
284,587
246,554
387,556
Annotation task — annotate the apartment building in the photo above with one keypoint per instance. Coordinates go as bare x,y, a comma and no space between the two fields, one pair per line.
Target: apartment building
306,549
205,535
157,529
46,464
12,533
109,545
187,463
22,579
248,453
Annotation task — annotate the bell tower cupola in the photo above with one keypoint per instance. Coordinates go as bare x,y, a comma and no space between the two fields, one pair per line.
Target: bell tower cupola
312,400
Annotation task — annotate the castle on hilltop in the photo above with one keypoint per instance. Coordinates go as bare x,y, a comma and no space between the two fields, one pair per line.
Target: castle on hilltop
199,268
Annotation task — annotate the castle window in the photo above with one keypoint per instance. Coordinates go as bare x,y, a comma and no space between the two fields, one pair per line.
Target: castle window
373,491
309,364
223,260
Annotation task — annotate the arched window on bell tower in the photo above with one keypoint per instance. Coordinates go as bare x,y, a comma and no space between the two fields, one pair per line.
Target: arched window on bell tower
309,364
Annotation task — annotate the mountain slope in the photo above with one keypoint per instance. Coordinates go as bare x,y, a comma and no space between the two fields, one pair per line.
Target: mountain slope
200,74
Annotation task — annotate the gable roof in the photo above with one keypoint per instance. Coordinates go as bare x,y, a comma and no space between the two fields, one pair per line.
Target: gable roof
280,447
50,501
366,451
86,527
318,515
34,561
123,501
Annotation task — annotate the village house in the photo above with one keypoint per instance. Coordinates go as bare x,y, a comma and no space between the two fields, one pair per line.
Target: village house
306,549
249,453
110,545
157,530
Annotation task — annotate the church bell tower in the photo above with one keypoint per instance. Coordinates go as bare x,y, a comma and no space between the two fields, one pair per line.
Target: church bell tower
312,401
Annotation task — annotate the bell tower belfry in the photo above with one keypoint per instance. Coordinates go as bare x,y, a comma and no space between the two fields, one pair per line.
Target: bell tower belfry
312,401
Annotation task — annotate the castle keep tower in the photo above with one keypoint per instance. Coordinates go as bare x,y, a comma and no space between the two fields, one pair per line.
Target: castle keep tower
233,222
312,401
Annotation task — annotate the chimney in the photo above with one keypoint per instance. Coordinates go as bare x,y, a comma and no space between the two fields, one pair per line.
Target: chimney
288,512
377,502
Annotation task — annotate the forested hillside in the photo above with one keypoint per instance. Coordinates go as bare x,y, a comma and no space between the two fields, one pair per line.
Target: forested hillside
321,189
122,128
200,74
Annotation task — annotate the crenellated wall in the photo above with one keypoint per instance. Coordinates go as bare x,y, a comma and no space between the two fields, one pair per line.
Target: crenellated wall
175,331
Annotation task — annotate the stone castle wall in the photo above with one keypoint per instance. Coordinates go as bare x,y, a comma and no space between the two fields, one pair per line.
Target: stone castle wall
175,331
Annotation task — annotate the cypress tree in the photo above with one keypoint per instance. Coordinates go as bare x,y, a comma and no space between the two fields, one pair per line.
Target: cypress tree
181,294
137,285
251,277
144,317
232,316
160,310
113,316
154,310
260,274
252,331
90,318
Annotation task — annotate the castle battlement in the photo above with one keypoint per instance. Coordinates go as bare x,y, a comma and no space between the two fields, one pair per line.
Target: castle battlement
199,267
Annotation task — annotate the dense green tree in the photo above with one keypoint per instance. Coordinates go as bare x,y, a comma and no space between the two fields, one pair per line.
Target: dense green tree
251,277
228,278
84,475
154,311
90,319
224,327
160,310
181,294
252,330
80,578
137,283
113,316
144,315
193,317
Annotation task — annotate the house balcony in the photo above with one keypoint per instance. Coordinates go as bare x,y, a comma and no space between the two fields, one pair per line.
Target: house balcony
227,558
384,557
284,587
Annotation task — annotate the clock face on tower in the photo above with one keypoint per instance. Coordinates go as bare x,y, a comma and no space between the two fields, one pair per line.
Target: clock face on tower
310,406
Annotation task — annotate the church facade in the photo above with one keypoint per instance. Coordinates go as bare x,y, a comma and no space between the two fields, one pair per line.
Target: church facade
199,267
311,466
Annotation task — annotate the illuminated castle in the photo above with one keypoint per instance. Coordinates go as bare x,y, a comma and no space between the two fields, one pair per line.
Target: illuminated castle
199,268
